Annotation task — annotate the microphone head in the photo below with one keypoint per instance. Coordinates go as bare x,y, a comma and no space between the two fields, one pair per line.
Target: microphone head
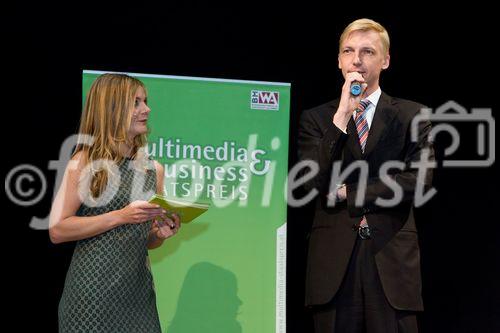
356,88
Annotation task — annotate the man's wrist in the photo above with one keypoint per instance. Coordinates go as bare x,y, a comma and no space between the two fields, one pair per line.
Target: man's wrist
341,119
339,188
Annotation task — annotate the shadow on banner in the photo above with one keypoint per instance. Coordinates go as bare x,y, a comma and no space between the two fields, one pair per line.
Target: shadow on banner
208,301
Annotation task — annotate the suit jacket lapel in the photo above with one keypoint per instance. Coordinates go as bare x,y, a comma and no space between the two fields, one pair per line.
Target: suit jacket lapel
353,140
384,113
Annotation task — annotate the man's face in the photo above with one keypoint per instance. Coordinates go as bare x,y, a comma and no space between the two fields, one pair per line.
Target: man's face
362,52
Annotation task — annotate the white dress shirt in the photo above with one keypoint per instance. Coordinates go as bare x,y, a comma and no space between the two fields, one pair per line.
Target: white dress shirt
370,110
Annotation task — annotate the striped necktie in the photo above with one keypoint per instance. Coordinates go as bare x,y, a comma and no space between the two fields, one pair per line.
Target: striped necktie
361,123
362,129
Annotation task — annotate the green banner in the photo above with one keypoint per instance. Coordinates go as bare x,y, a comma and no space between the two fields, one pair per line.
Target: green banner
222,142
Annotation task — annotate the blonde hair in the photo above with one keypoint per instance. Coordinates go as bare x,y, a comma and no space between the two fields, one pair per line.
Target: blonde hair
106,118
365,24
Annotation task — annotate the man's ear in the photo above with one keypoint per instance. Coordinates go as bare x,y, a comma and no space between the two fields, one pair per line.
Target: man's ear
338,60
387,61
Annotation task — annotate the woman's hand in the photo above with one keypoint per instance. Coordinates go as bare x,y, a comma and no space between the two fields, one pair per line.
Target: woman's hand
138,212
166,227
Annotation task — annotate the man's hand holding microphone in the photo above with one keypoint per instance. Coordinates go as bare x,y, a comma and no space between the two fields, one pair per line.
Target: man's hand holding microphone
349,101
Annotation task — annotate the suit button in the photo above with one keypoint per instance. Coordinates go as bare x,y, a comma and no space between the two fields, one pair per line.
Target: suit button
366,210
354,227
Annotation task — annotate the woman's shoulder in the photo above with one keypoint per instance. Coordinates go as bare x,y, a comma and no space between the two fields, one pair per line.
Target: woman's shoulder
79,156
78,161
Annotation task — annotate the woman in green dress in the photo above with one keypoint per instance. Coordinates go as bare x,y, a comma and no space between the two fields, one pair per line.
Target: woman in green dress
102,204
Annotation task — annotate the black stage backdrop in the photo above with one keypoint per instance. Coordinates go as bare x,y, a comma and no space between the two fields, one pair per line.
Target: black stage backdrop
438,54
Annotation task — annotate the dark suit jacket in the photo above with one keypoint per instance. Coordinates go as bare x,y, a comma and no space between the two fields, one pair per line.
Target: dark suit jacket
394,235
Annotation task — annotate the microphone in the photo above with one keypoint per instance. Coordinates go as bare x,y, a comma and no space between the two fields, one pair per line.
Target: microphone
356,88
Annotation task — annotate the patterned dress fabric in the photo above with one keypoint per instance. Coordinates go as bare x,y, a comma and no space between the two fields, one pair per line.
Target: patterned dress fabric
109,287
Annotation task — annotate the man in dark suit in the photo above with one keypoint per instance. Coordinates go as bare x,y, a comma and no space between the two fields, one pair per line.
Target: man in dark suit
363,271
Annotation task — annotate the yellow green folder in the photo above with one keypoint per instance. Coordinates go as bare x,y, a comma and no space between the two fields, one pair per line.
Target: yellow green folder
187,211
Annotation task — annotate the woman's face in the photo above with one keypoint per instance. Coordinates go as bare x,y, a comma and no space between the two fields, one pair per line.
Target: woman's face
140,115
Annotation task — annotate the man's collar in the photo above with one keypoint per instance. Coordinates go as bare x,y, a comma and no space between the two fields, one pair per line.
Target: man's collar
375,96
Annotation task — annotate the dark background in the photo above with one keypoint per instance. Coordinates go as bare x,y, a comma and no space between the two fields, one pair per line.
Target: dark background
438,54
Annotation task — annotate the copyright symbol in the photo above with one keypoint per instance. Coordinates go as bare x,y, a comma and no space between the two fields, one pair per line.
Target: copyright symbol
22,174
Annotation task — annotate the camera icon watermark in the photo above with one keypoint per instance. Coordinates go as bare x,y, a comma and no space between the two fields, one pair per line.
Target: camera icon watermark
452,112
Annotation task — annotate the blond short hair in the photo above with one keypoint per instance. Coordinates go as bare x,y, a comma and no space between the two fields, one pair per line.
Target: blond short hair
365,24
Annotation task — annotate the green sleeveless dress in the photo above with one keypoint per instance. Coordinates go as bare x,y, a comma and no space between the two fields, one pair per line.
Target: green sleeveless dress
109,287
